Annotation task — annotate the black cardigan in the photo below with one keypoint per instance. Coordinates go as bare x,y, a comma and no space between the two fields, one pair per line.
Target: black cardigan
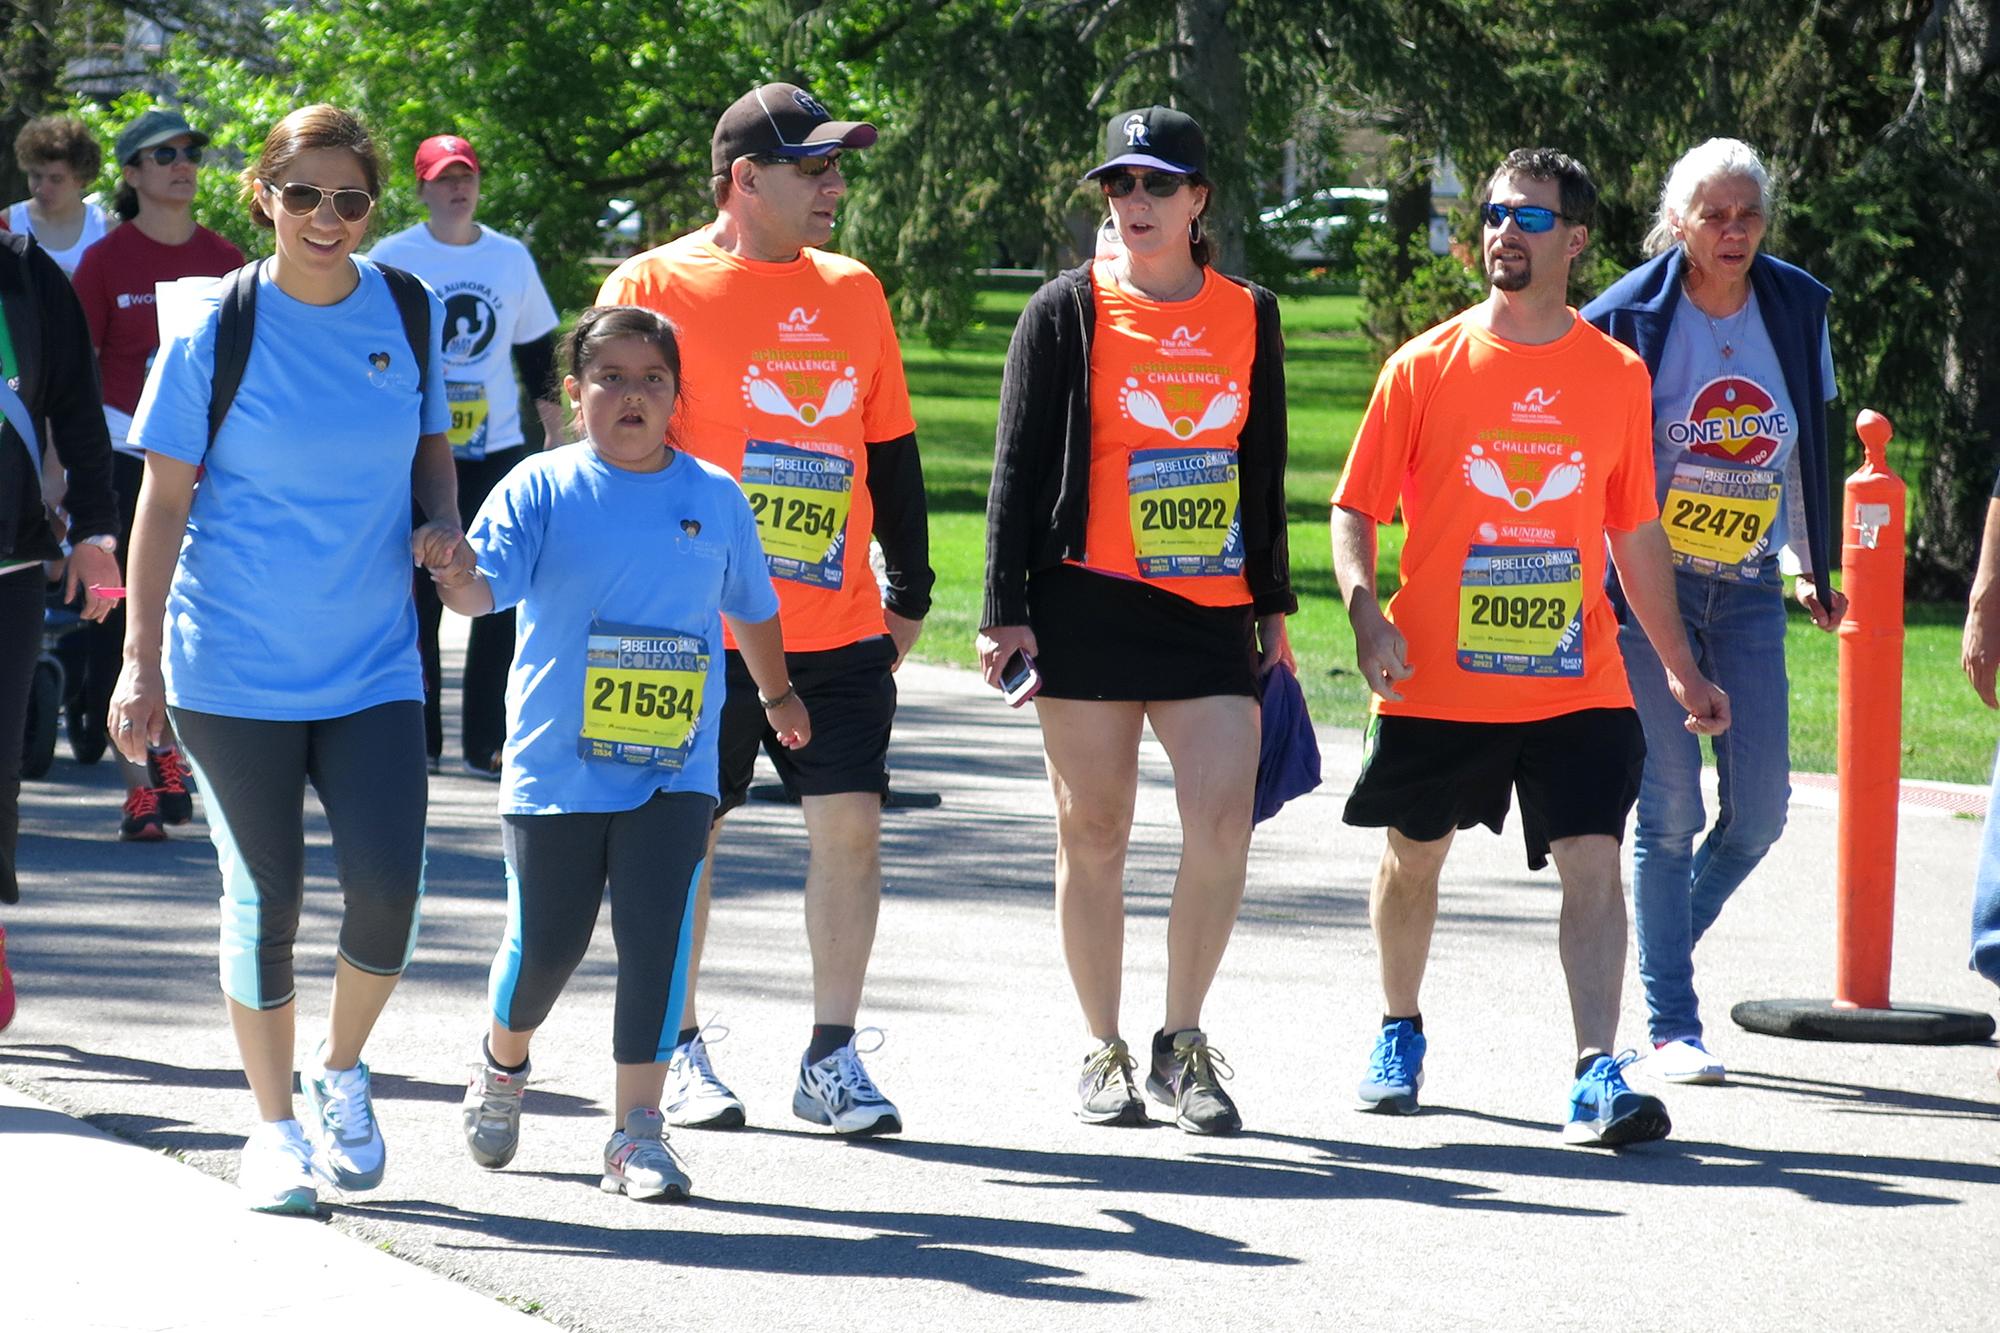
1038,510
59,387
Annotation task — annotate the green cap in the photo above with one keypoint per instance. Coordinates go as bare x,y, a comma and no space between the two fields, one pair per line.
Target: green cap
153,128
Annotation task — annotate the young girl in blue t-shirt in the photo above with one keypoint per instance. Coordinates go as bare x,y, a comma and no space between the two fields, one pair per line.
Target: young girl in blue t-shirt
624,556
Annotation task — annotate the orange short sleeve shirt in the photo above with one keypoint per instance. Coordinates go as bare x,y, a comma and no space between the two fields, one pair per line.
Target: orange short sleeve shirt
789,371
1509,462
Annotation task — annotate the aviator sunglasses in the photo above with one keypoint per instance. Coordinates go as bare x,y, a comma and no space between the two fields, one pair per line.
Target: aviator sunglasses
167,154
808,167
302,200
1159,184
1531,219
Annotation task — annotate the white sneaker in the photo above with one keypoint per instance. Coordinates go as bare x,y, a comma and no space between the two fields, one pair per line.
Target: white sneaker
639,1164
275,1174
347,1143
838,1092
1684,1061
694,1097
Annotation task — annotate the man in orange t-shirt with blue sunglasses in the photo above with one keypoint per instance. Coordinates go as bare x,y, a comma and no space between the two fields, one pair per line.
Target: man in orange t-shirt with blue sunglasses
1517,440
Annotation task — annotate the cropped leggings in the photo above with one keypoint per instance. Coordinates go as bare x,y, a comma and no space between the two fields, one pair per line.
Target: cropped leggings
558,867
368,768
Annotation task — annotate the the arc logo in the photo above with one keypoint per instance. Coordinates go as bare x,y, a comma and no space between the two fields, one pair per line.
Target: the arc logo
1144,407
767,395
1732,418
1135,131
469,326
1522,481
1184,341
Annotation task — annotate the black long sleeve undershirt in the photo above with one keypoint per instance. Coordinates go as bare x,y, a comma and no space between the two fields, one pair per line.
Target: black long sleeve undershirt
902,524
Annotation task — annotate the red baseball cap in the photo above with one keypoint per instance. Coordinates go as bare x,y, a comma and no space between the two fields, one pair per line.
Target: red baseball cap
440,151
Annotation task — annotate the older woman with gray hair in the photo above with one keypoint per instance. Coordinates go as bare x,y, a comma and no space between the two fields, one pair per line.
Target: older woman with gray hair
1742,372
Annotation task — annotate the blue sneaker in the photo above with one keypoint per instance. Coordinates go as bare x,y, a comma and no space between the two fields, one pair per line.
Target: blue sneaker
1605,1113
1395,1071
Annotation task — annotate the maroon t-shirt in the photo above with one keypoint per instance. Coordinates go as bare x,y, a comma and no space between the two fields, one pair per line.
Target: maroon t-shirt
115,283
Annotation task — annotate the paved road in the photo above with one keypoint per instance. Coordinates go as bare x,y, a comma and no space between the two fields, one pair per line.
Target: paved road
1833,1186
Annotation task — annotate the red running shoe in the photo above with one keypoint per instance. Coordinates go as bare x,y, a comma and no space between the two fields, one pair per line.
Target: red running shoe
6,985
142,817
169,776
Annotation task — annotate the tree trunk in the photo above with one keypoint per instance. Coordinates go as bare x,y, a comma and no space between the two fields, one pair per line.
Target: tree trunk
32,68
1959,471
1208,74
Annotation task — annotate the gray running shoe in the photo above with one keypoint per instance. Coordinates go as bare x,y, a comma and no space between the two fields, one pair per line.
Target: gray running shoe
837,1092
1107,1093
492,1114
639,1164
1188,1078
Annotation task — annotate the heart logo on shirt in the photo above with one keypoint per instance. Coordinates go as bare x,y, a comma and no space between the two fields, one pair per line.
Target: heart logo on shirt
692,527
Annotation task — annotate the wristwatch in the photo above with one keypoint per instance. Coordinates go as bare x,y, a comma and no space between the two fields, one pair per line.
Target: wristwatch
791,692
103,541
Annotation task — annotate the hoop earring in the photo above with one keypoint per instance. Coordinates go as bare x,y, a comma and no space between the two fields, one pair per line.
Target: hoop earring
1195,232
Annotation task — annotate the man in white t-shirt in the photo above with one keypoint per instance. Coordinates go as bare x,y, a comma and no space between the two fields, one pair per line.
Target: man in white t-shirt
499,325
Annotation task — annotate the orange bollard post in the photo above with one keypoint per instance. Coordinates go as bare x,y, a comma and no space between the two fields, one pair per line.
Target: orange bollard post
1870,767
1871,720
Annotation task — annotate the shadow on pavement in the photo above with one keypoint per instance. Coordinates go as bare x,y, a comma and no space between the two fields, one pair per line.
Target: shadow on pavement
95,1067
1859,1098
1823,1177
938,1247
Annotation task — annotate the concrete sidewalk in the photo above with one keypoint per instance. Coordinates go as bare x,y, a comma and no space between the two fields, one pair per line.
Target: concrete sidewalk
1855,1187
99,1234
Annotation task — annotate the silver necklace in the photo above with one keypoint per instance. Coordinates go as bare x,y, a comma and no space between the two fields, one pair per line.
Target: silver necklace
1723,333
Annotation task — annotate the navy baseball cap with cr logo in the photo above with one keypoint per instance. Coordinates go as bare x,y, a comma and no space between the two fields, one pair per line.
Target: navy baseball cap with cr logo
1153,136
784,120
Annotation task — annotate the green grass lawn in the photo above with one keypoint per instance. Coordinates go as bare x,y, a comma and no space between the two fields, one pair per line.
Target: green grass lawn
1329,371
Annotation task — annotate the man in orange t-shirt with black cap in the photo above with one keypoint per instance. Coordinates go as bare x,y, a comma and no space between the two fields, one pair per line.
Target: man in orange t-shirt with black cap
794,385
1517,441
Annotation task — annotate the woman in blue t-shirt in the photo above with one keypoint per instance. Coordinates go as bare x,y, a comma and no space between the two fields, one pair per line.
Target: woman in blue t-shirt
624,556
290,656
1742,372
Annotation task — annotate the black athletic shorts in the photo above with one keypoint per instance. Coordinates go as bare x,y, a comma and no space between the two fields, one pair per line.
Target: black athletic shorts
1577,773
1104,637
851,696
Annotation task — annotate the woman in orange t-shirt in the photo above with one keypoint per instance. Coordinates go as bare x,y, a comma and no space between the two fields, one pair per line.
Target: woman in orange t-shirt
1136,552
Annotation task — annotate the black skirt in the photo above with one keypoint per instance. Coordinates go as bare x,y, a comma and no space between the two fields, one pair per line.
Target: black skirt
1103,637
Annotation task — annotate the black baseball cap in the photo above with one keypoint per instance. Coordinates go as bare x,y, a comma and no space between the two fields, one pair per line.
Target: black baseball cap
782,119
1153,136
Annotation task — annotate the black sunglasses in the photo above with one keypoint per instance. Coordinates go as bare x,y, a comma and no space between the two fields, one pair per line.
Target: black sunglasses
1159,184
1531,219
302,200
166,154
808,167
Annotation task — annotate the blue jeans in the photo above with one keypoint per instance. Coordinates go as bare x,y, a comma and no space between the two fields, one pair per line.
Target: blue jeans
1986,892
1737,634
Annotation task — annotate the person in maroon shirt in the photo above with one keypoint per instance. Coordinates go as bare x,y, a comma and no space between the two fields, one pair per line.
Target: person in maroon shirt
159,155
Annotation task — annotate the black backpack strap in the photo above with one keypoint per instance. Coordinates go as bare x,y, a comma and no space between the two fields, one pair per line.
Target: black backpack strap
235,326
413,304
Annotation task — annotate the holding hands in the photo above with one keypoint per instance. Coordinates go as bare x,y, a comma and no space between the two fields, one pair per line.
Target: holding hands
440,547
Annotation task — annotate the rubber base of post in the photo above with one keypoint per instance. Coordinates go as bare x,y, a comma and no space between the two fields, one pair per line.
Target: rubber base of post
1903,1024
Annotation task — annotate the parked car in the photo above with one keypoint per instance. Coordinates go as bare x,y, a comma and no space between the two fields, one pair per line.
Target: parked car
1312,229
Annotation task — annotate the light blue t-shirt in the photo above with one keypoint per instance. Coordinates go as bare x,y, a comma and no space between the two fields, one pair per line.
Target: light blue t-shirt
1730,410
622,579
292,598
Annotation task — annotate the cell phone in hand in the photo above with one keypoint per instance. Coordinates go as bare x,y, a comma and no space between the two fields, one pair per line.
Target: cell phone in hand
1019,681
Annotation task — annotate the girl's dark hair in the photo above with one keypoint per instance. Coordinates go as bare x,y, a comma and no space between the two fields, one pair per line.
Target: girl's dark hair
125,202
602,323
303,131
48,139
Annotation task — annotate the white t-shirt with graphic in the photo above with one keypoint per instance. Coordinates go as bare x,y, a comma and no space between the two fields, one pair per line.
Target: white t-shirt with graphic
1725,442
493,299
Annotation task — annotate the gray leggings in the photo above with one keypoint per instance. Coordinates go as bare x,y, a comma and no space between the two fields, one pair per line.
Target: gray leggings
368,768
558,867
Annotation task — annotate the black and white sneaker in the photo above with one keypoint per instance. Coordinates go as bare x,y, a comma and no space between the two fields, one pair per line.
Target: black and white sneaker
838,1092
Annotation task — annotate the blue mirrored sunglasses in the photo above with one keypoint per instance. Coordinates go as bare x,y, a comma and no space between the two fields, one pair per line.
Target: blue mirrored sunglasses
1529,218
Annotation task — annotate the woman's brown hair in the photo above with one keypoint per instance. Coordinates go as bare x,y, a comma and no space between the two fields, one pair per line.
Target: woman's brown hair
304,131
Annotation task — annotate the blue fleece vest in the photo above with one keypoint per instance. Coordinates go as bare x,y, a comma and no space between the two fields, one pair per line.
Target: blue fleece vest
1639,308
